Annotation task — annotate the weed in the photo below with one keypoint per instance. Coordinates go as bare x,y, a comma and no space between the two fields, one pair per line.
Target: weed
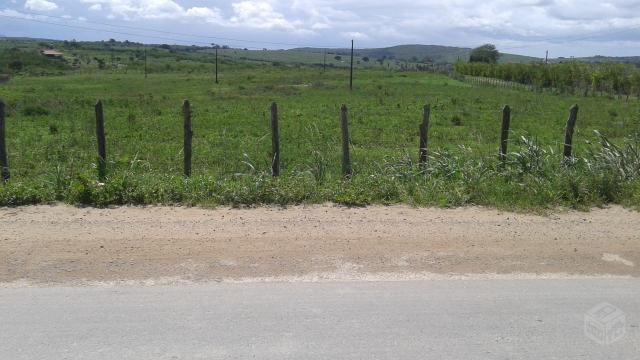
34,110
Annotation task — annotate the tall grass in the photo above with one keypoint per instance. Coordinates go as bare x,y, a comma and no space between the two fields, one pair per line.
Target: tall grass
52,152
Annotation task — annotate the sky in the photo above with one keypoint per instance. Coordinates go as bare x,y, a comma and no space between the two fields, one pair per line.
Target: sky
528,27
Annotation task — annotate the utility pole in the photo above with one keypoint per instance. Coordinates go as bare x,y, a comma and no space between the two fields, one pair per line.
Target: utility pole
145,60
351,71
324,61
216,64
546,58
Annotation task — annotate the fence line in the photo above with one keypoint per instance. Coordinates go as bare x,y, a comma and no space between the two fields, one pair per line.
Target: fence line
347,169
486,81
4,164
568,137
344,124
424,136
102,148
499,83
504,134
188,135
275,141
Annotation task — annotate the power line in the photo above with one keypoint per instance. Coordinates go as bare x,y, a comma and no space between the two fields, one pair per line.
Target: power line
562,39
565,39
119,32
171,32
102,30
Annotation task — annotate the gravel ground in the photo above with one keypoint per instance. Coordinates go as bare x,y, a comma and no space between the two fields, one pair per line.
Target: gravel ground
64,244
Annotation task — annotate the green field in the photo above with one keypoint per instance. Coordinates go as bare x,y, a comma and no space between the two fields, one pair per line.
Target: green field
52,146
129,56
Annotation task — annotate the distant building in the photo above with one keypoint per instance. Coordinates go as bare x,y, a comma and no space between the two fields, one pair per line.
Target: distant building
50,53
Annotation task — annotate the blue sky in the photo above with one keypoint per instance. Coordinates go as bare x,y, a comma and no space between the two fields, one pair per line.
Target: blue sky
564,27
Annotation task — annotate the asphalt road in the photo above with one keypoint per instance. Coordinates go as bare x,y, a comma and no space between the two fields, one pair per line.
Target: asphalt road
440,319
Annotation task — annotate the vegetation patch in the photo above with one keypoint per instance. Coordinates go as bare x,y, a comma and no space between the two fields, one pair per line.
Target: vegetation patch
51,136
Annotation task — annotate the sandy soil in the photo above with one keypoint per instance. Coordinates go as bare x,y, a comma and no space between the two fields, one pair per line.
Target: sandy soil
63,244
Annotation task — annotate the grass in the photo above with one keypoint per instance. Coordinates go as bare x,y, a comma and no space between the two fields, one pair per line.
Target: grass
91,57
51,141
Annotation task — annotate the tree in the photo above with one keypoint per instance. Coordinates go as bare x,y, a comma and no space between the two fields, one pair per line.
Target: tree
16,65
635,83
338,57
101,63
486,53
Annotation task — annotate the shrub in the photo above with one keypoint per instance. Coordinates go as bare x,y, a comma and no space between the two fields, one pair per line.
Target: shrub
34,110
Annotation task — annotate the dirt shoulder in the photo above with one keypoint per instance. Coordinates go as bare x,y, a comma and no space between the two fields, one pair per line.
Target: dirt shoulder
63,244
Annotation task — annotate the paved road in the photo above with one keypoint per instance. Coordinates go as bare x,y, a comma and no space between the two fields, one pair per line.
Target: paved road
447,319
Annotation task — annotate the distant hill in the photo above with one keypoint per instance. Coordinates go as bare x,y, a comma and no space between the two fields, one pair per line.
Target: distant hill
420,53
22,55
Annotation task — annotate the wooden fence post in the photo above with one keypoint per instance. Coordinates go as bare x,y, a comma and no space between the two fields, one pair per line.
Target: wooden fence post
568,136
275,141
186,112
102,148
346,161
424,130
504,135
4,165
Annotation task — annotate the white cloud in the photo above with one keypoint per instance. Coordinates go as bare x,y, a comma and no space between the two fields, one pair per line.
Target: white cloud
259,14
17,14
40,5
320,26
211,15
152,9
529,26
355,35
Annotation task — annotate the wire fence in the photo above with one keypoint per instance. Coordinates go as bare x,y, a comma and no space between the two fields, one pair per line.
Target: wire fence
347,169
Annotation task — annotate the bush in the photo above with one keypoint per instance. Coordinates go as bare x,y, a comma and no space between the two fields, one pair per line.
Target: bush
16,65
34,110
456,120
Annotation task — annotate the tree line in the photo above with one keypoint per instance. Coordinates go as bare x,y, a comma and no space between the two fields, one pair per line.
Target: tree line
572,77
